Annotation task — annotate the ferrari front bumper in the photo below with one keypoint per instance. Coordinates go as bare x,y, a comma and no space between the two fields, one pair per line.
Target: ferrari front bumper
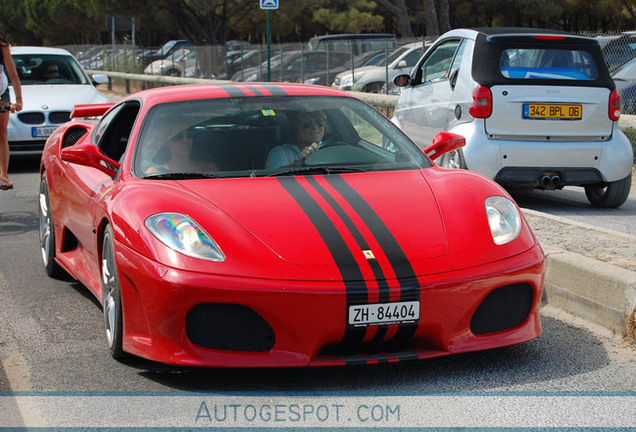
197,319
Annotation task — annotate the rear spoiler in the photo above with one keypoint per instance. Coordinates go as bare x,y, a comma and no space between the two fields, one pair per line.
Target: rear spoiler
90,110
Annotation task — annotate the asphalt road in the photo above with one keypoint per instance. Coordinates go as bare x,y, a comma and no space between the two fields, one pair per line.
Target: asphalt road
51,339
571,203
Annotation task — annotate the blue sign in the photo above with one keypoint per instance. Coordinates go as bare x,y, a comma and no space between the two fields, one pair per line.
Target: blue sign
269,4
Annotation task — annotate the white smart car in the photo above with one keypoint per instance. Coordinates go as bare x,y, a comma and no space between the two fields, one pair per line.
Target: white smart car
538,109
53,82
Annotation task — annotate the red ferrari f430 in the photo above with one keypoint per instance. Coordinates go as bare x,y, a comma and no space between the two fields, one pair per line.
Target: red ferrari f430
270,225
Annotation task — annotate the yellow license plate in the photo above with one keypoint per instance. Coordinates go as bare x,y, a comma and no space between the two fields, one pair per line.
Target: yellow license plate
552,111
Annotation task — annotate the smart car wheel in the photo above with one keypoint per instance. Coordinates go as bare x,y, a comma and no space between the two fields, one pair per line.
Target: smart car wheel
613,195
454,160
111,296
47,233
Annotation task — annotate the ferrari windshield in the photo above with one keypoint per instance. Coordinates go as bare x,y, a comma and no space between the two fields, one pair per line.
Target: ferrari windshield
270,136
48,69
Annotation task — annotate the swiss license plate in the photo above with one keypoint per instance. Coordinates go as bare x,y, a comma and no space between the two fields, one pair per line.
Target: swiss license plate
384,313
42,131
552,112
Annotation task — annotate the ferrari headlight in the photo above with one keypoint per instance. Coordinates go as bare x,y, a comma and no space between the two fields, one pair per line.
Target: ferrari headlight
182,234
504,219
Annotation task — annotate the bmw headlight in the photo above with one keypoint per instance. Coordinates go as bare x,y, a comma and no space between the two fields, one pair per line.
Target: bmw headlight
182,234
504,219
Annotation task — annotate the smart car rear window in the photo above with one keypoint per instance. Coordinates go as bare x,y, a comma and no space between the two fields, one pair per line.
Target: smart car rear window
540,63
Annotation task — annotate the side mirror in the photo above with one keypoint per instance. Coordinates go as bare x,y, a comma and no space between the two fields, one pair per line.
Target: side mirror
443,143
100,79
402,64
90,156
401,80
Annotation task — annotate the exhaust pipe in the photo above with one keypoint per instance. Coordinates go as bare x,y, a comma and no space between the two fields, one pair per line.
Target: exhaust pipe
546,180
555,180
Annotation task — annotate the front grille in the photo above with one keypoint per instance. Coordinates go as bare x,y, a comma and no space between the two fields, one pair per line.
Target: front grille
228,327
59,117
73,135
502,309
31,118
26,146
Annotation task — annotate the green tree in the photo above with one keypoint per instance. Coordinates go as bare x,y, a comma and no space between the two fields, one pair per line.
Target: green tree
358,18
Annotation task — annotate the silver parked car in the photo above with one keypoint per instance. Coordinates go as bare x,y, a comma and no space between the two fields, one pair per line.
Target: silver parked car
538,109
372,78
53,82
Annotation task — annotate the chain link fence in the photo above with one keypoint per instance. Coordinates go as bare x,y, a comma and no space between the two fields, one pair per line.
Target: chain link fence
296,62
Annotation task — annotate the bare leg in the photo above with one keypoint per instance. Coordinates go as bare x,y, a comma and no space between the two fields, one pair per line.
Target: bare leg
4,147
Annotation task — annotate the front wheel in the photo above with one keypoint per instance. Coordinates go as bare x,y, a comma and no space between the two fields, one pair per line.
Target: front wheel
612,195
373,87
47,232
111,296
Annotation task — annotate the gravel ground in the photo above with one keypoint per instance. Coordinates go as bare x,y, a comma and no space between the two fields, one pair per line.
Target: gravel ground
601,244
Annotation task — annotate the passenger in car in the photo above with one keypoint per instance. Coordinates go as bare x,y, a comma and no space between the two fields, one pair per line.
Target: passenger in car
174,155
306,129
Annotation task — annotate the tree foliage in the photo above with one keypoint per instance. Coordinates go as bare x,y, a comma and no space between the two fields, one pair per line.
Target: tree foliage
59,22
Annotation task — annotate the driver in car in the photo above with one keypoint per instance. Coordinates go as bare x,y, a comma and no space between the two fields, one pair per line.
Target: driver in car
306,130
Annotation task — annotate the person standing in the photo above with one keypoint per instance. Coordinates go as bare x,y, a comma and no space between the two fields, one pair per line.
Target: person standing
7,67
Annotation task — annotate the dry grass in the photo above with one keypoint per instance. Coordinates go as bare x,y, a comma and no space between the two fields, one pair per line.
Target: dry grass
630,333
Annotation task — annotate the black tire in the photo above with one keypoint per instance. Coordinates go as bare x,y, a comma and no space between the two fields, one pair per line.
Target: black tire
47,232
453,159
373,87
173,73
612,195
111,297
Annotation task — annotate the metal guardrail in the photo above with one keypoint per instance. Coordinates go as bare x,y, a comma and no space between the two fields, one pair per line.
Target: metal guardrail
627,123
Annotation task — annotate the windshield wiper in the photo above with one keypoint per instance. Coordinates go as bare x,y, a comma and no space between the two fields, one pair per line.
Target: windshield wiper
314,170
181,176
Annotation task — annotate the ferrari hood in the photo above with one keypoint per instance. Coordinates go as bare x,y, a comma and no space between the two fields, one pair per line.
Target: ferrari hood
388,217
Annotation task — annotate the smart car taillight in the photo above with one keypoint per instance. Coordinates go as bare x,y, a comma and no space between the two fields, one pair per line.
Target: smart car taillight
482,102
614,105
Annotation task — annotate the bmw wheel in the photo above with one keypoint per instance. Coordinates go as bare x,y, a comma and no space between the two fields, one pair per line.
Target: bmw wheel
47,232
612,195
111,296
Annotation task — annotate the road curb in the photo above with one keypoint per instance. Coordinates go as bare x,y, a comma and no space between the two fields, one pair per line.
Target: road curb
591,289
598,291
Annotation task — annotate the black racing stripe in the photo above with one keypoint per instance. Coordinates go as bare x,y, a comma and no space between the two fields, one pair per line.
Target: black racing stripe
274,90
380,277
256,90
356,292
409,288
233,90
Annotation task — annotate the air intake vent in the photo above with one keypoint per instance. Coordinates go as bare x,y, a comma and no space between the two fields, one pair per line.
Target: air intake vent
59,117
228,327
503,308
73,135
31,118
